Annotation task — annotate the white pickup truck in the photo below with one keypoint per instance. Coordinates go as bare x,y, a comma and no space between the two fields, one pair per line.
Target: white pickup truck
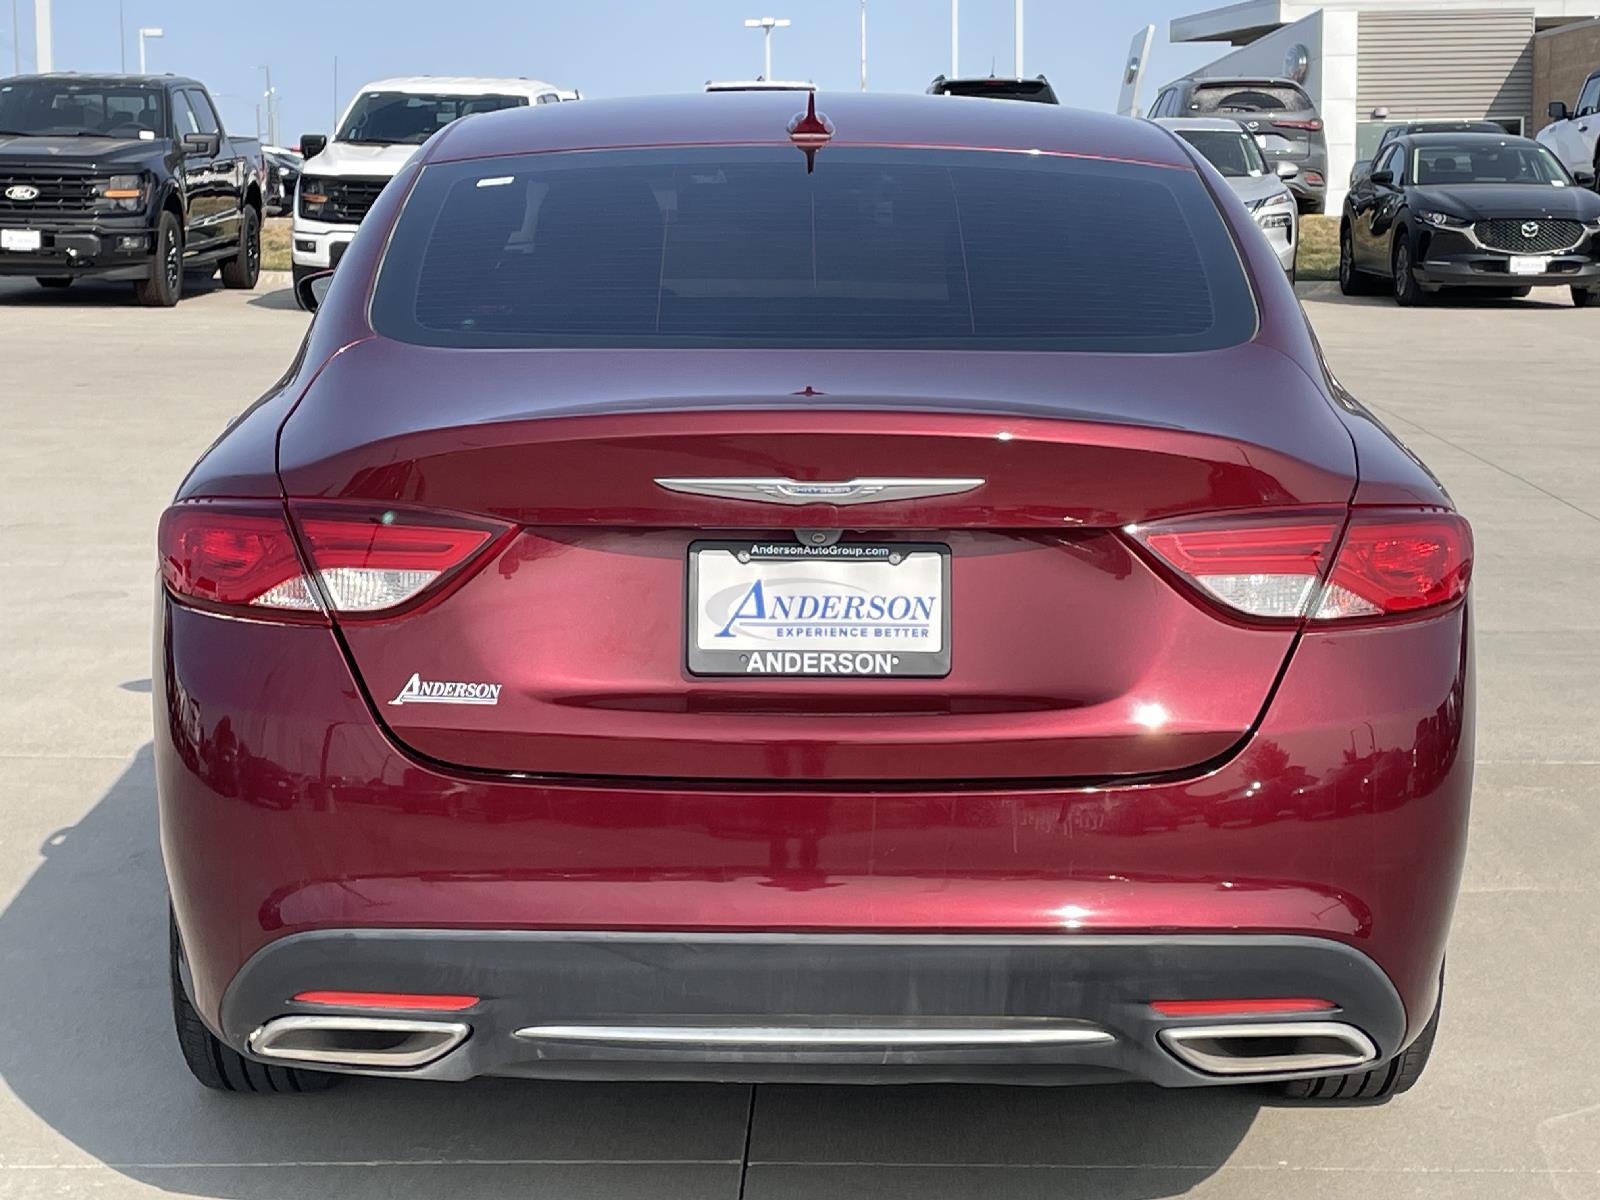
1573,133
381,129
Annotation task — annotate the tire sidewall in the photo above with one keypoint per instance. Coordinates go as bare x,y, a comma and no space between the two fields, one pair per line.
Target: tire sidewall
244,270
162,289
1407,291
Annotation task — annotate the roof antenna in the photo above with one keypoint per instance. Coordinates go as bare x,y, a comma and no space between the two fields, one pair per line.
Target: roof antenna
810,132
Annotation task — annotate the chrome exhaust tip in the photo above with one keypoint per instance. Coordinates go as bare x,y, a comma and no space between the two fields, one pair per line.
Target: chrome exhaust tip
1270,1048
332,1041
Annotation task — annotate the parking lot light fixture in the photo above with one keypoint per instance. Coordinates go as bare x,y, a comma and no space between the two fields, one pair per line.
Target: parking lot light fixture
147,31
766,25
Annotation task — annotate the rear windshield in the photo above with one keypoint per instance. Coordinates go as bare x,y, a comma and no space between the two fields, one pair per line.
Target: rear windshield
1248,98
1235,154
1037,90
877,249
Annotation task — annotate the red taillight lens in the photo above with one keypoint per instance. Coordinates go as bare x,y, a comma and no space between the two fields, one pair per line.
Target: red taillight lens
1313,124
235,555
1266,567
372,562
368,561
1393,563
1390,563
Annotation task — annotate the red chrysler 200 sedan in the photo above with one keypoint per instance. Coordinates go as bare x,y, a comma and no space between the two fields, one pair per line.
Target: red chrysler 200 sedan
892,593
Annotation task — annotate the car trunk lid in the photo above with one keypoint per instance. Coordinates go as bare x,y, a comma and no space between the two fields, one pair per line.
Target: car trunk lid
1069,655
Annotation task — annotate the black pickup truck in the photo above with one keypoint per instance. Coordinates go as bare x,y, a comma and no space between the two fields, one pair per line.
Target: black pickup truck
124,177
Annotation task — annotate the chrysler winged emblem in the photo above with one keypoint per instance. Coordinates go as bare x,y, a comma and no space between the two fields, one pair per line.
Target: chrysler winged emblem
1530,229
796,491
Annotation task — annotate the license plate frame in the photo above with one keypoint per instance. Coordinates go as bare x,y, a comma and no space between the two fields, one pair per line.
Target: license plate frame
810,657
21,241
1528,264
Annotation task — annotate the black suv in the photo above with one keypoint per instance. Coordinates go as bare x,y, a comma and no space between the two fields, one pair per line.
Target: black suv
996,87
1277,111
124,177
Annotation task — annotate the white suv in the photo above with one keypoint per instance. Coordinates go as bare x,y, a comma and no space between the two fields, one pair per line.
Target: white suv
381,129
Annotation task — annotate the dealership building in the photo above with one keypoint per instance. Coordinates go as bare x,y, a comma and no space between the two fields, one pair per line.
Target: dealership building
1369,63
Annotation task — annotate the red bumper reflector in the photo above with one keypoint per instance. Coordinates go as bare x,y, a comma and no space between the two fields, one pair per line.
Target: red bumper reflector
1235,1008
389,1000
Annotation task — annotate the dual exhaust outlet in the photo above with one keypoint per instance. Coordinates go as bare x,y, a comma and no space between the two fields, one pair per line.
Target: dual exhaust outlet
1241,1048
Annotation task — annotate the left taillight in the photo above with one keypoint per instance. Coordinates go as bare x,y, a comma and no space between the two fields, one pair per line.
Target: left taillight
355,561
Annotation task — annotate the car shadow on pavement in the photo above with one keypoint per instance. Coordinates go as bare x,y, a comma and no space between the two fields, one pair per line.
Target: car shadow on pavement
86,1044
278,297
91,293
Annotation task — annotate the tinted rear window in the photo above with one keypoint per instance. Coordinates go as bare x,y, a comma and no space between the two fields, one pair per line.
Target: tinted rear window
1037,90
1249,97
878,249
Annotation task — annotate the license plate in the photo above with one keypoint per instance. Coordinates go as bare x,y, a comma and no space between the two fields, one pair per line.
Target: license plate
780,608
1529,264
20,239
1276,143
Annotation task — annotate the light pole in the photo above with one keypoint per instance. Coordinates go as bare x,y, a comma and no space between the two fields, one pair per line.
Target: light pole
863,45
767,25
1019,39
16,41
271,97
147,32
955,39
42,61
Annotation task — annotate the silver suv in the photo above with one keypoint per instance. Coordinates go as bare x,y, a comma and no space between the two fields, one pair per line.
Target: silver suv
1263,188
1277,111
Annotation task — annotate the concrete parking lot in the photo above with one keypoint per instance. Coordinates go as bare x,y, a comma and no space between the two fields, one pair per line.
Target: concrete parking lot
103,406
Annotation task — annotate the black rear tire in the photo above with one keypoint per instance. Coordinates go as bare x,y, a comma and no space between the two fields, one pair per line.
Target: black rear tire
244,268
216,1064
1352,280
1399,1074
165,284
54,281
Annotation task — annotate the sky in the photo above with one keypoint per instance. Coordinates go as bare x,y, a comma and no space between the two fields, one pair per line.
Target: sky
601,47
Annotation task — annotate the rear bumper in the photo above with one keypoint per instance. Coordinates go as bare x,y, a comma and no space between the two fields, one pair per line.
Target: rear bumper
850,1007
291,823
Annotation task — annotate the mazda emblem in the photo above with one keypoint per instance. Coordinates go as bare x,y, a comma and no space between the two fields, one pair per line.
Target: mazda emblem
1530,229
22,191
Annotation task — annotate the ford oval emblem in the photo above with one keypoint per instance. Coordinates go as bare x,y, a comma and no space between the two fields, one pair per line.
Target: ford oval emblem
22,191
1530,229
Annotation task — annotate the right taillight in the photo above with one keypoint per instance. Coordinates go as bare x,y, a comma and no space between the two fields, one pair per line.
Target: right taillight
1285,567
1393,562
366,561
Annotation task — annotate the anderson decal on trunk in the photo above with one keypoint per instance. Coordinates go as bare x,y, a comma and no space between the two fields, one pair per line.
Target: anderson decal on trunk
435,691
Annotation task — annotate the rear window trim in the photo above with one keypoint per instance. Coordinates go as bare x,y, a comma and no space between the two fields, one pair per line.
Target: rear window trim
1189,164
